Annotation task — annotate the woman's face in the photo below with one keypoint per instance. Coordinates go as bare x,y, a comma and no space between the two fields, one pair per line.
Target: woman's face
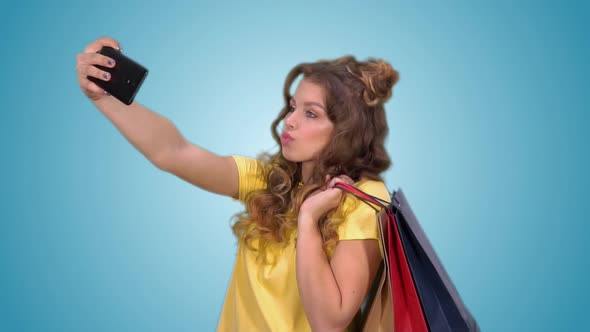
307,129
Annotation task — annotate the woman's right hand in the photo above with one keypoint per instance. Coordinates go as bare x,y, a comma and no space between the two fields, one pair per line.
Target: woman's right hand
85,67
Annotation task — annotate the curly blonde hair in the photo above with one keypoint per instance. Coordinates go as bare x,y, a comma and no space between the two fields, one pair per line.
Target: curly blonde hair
355,96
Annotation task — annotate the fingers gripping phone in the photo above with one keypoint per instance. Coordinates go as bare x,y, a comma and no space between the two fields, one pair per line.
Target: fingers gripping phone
126,77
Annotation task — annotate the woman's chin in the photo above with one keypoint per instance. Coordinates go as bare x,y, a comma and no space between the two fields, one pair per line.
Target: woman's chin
286,156
289,156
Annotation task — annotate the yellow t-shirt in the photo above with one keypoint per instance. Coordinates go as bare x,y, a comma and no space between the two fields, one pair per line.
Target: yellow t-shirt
266,297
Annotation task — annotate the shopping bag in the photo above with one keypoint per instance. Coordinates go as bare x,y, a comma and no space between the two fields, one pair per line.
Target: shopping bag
395,305
440,303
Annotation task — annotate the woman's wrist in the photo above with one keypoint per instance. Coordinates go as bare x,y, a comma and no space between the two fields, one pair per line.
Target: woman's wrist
306,222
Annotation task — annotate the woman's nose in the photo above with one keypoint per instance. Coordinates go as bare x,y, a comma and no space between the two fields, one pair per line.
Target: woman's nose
290,120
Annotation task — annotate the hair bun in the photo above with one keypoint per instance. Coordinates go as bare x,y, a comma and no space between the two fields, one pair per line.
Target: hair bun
379,78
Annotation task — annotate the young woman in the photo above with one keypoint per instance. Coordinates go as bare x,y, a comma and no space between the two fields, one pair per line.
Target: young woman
307,253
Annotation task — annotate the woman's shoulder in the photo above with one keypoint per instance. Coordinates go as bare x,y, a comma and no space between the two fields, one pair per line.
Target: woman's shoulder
358,217
252,165
251,175
374,187
260,162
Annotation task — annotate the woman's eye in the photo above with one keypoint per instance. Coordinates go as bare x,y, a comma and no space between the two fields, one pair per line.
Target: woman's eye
311,114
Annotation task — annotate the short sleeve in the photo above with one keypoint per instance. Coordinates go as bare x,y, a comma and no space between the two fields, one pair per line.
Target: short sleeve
251,176
360,219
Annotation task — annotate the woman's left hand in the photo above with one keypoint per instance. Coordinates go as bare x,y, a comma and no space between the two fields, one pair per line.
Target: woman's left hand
324,199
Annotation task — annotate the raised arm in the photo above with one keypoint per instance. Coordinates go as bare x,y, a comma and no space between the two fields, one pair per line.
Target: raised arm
154,136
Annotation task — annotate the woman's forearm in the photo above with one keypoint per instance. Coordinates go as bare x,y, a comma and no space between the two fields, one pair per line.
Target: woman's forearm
318,288
150,133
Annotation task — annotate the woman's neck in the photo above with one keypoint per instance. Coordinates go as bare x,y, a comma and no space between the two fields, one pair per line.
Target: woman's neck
306,171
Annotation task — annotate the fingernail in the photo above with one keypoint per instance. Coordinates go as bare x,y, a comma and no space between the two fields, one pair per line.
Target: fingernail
106,75
119,48
106,93
111,62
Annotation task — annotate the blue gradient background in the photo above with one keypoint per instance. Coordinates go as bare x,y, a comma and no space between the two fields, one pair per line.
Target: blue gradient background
488,128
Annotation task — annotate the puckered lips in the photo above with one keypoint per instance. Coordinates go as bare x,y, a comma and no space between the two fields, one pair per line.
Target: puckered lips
286,138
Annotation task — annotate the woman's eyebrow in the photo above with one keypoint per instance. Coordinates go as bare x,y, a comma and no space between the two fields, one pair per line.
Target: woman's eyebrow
311,103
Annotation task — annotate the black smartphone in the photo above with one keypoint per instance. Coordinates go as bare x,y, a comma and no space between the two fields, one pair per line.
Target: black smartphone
126,77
